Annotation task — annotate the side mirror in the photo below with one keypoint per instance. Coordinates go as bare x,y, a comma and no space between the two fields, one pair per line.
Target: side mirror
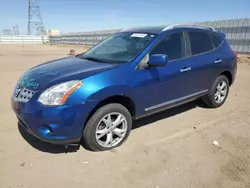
158,60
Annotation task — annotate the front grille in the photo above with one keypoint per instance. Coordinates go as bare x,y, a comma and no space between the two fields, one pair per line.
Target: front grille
22,94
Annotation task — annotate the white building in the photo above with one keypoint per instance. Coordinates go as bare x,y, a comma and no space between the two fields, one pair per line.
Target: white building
52,32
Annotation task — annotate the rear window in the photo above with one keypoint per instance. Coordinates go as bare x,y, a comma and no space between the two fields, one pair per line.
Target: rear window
200,42
216,40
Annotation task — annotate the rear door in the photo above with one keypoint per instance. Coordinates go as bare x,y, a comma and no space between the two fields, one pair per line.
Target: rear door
204,59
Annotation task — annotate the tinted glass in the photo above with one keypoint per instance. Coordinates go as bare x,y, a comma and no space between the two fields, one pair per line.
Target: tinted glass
170,46
216,40
200,42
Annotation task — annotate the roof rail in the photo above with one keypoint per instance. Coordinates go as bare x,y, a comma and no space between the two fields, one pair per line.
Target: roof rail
188,25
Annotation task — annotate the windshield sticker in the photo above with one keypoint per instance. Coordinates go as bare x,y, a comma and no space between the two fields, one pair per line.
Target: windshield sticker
140,35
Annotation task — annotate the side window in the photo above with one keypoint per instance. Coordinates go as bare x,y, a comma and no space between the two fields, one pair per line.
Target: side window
200,42
216,40
172,46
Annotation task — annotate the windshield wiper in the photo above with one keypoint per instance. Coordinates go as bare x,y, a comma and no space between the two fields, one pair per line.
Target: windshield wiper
93,59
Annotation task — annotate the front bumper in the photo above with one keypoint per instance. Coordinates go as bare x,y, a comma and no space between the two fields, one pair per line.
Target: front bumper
57,124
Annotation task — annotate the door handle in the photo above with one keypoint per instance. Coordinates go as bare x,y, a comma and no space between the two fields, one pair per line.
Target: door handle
218,61
185,69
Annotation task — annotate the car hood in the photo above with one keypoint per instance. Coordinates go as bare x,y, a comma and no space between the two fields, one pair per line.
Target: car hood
60,70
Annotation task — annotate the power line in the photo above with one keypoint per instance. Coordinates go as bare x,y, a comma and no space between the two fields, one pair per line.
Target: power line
35,21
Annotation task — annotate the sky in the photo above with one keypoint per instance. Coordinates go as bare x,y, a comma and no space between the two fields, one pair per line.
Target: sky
91,15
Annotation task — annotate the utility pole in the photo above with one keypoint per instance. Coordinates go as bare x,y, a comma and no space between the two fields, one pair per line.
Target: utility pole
16,30
35,21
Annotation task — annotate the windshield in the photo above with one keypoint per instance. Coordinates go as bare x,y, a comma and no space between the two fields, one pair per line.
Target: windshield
119,48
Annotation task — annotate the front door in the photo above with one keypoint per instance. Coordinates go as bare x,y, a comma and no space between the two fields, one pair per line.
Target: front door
158,87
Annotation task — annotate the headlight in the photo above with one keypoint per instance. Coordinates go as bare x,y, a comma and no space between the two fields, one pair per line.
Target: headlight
58,94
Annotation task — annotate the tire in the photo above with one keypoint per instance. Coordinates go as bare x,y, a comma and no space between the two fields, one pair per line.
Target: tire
106,120
212,98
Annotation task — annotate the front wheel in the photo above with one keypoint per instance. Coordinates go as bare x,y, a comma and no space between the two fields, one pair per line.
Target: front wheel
218,93
108,128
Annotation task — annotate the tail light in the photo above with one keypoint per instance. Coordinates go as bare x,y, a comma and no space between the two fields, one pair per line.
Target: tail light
235,55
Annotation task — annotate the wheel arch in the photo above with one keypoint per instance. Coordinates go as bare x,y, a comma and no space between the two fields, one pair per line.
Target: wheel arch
124,100
229,76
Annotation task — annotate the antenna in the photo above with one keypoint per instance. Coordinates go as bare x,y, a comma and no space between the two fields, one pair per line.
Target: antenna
35,21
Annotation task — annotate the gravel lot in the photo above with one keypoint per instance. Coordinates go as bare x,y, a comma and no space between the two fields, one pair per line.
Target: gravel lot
172,149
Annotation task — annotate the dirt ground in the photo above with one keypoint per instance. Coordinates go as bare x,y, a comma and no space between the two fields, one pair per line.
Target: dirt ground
172,149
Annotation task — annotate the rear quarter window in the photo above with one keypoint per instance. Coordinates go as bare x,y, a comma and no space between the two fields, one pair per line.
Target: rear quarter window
216,40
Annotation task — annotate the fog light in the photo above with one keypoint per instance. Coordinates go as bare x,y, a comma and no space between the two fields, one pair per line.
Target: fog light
47,130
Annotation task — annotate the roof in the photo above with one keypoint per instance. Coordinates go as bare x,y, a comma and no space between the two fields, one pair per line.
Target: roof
160,29
147,29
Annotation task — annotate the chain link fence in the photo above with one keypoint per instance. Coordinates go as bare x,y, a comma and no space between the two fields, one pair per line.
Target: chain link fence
237,33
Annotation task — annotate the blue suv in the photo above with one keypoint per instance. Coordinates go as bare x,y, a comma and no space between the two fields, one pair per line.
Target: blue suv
94,96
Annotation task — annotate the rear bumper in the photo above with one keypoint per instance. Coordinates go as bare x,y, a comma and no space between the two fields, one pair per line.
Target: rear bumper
234,72
57,125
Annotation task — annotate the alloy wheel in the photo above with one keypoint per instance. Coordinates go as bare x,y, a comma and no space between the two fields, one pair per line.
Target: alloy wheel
220,92
111,130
